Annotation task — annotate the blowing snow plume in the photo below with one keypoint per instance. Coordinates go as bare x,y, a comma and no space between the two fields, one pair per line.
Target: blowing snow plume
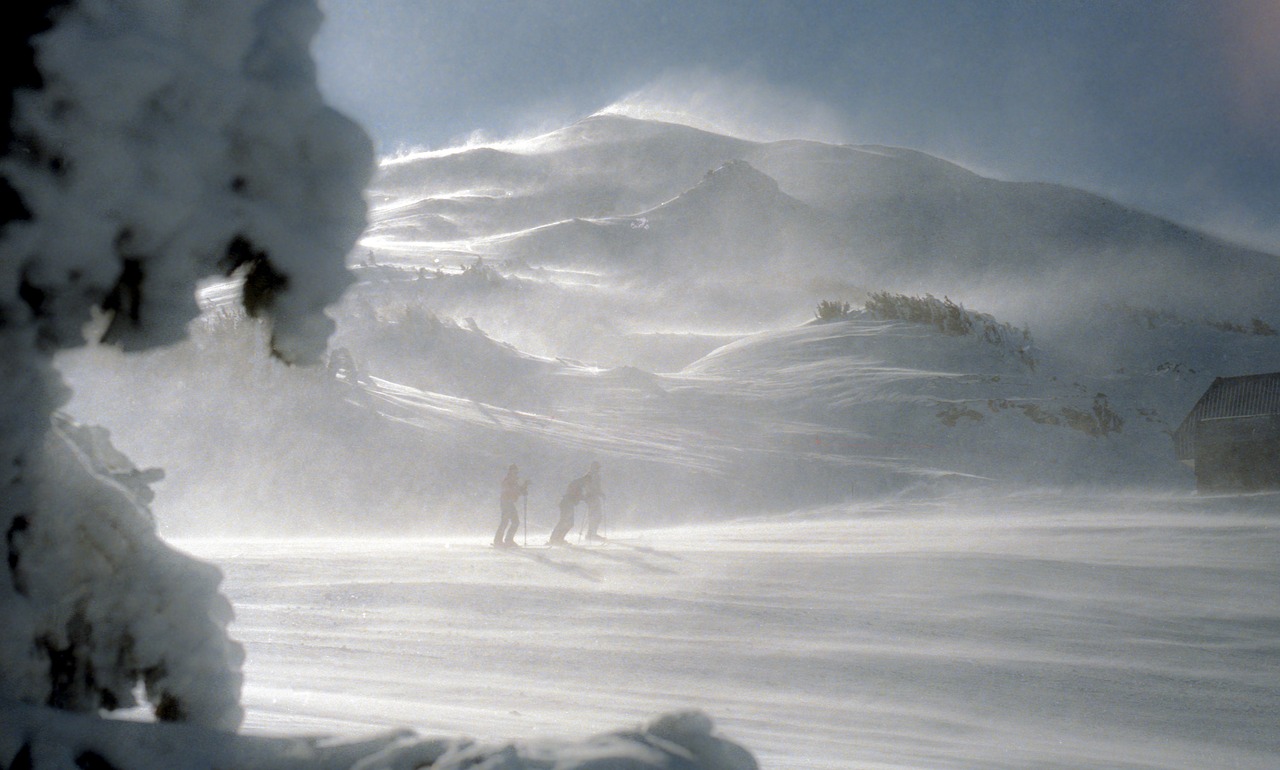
566,298
735,105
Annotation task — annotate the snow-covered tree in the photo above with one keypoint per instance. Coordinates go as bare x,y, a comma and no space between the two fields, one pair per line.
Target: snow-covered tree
146,145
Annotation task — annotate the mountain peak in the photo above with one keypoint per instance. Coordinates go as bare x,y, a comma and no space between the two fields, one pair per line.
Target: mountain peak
735,191
740,175
611,129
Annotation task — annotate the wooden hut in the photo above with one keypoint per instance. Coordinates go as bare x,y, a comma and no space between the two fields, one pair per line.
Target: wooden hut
1231,437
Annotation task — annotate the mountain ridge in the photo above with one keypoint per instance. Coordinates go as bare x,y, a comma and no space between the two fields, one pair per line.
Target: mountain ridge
659,318
872,216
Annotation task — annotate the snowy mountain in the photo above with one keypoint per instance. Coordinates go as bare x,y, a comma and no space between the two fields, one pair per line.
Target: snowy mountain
873,216
639,292
867,569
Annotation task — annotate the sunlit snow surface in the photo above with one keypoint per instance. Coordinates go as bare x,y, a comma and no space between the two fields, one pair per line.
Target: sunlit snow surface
1031,631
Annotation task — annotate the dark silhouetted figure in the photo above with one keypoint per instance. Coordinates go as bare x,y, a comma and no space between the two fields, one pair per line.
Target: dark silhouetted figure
512,490
585,487
593,494
568,502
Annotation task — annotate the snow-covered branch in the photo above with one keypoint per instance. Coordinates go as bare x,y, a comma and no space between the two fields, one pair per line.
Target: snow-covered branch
147,146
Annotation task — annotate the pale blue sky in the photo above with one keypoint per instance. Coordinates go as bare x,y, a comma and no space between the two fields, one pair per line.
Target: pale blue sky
1170,106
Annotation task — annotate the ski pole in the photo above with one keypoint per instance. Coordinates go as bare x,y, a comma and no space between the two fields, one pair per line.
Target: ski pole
526,518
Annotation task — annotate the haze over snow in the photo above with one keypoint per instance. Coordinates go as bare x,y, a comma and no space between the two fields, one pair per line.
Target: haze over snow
942,526
640,292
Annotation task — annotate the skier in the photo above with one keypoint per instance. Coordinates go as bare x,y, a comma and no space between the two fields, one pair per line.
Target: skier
568,502
512,489
593,494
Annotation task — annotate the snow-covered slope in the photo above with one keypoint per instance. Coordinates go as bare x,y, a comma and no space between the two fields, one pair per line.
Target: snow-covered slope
409,428
601,166
636,292
876,217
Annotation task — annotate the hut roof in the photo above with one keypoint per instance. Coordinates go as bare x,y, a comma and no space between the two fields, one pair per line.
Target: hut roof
1253,395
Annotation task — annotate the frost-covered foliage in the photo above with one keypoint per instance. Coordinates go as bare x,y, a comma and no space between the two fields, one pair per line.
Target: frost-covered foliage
951,318
479,272
945,315
1152,318
147,145
1099,420
832,310
173,141
109,605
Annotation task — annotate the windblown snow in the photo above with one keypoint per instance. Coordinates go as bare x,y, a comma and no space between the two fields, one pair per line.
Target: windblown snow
1031,630
646,293
886,446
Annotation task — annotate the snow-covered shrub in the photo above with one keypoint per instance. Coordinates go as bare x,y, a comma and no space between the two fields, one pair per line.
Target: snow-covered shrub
945,315
480,273
115,606
146,145
951,318
1099,420
1256,326
832,310
951,414
1152,319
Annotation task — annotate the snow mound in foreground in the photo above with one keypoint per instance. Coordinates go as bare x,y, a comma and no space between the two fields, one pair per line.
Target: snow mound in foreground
41,738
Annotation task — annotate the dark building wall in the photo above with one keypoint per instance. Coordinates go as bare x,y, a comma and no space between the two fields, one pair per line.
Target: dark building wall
1238,454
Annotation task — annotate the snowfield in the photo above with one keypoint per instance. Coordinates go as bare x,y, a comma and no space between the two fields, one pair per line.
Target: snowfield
1021,630
943,529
